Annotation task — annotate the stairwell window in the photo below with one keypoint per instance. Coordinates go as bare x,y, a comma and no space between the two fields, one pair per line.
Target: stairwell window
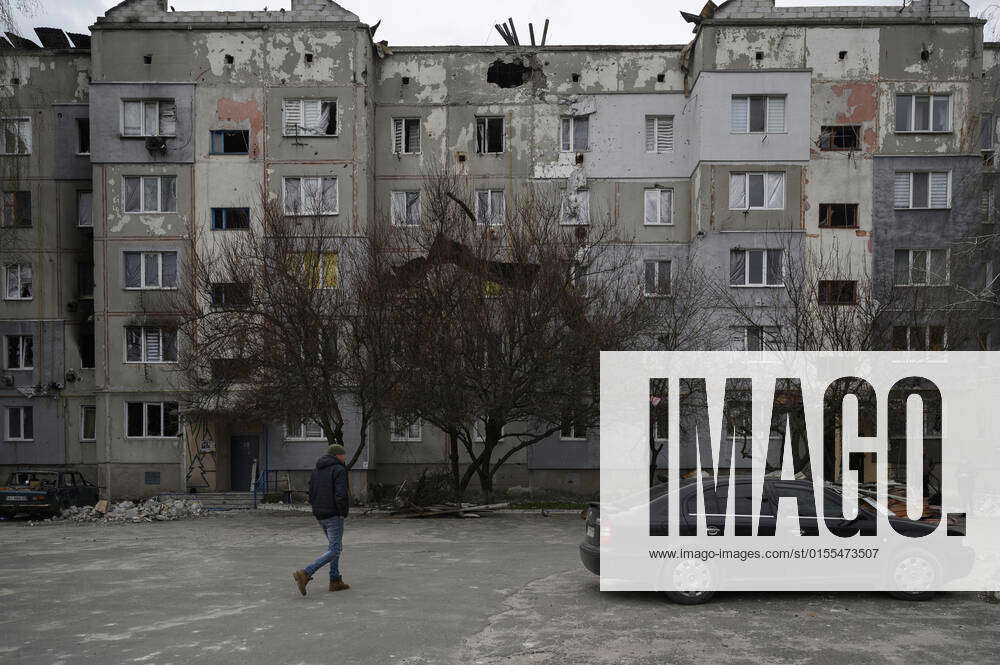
756,267
656,279
757,114
923,189
406,136
230,219
309,117
16,136
923,113
20,352
151,420
490,207
659,133
230,142
405,208
658,207
311,196
150,270
490,135
150,193
150,345
838,215
840,137
20,423
921,267
88,423
304,431
574,133
403,430
757,191
148,117
18,282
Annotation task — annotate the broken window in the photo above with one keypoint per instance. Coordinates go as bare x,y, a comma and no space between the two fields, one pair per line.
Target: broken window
20,423
309,117
16,136
838,215
18,281
576,207
756,267
149,117
837,292
304,431
150,345
402,429
757,191
230,142
573,430
489,135
88,423
490,207
230,295
752,114
151,419
575,133
84,203
923,113
405,208
20,351
310,195
659,206
150,193
657,278
83,136
85,280
659,133
228,219
840,137
150,270
919,338
87,348
922,189
16,208
406,136
921,267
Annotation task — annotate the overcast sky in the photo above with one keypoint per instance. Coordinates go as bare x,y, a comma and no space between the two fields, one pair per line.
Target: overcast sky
429,22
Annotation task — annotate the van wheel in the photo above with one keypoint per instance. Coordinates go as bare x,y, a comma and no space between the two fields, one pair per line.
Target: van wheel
689,597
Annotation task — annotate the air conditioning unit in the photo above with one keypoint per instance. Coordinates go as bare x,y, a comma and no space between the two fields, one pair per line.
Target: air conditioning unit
156,144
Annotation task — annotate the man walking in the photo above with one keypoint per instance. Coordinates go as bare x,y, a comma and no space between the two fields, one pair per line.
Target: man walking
329,498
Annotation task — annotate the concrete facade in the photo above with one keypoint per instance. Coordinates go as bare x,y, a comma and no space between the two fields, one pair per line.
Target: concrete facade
823,67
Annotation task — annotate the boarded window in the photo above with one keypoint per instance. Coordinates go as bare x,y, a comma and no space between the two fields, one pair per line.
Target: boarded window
659,133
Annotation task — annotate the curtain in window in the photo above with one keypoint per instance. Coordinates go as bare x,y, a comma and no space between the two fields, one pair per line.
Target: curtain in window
775,272
902,191
133,269
738,115
83,207
133,344
313,121
329,195
775,190
293,196
497,206
666,206
132,195
652,204
901,267
942,114
132,118
151,119
413,208
483,206
737,267
26,280
168,118
775,114
150,194
151,269
581,133
566,127
397,204
169,269
168,194
939,190
737,191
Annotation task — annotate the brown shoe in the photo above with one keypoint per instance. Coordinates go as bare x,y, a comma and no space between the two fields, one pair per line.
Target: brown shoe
301,578
339,585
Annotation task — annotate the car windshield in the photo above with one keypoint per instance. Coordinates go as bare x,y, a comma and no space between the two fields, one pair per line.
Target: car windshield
29,478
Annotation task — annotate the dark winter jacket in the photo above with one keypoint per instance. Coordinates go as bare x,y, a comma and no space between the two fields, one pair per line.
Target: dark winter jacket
328,491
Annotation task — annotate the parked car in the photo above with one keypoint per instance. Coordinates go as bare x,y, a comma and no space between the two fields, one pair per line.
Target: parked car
45,491
913,566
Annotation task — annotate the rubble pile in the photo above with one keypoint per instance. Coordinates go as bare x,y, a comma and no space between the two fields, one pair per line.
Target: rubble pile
152,510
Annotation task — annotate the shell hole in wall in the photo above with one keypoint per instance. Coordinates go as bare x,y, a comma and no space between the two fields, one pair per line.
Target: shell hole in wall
147,59
229,59
925,55
842,55
309,57
660,78
576,78
406,80
759,55
508,74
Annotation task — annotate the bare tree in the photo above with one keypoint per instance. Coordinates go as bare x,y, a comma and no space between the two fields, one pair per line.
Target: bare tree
505,311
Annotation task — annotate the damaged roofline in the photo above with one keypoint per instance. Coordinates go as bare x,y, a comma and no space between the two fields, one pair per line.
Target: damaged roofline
226,25
864,22
537,49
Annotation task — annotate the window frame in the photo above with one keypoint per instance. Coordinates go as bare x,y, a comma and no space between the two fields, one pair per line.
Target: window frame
829,303
656,119
490,212
80,193
767,105
20,281
144,131
145,420
224,213
144,360
926,329
142,195
572,121
142,269
930,174
746,189
857,215
772,333
302,432
22,409
84,408
402,147
406,437
302,180
485,121
393,208
930,114
302,100
584,205
571,431
927,269
765,251
656,277
26,137
659,205
829,132
21,353
11,200
321,268
212,133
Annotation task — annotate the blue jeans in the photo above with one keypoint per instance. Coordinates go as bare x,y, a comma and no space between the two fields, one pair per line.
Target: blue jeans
333,527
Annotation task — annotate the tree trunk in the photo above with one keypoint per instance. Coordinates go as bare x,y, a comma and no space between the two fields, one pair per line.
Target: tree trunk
453,458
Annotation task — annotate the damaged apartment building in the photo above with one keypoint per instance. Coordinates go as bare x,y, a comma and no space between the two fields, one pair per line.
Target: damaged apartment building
863,135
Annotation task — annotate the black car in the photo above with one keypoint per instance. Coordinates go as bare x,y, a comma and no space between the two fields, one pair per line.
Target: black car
913,568
45,491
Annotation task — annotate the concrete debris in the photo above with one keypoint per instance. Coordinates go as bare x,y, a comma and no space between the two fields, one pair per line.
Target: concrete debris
127,511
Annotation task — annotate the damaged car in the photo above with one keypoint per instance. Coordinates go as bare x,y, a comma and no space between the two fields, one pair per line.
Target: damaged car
45,492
